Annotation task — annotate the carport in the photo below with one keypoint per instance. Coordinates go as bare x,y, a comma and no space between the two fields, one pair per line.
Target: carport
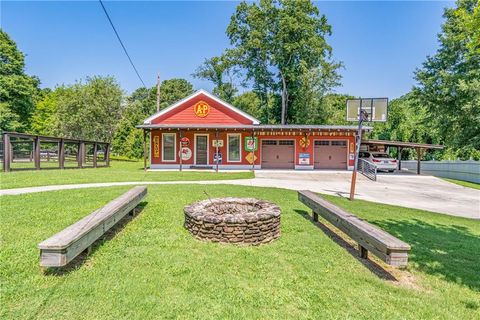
400,145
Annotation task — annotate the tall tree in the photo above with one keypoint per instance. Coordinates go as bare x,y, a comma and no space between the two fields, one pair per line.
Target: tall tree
449,81
90,110
128,140
17,89
277,42
221,72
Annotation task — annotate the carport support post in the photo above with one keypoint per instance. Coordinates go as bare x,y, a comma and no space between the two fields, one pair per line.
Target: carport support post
419,157
399,158
216,150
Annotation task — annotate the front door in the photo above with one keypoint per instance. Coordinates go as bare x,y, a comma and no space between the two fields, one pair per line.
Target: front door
201,150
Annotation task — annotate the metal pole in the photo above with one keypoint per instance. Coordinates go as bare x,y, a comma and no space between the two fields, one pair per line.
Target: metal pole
357,151
216,150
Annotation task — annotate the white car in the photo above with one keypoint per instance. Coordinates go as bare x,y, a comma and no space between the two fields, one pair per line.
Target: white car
381,159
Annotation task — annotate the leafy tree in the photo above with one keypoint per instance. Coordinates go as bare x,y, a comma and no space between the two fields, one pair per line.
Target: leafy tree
278,42
44,117
449,81
221,72
89,110
17,89
128,140
250,103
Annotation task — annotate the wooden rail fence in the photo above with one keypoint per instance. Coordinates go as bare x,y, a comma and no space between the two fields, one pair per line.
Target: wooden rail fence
81,158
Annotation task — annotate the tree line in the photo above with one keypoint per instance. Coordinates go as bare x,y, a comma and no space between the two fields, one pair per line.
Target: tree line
280,60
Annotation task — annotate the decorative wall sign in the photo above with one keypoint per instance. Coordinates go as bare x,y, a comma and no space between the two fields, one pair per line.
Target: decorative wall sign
185,142
217,156
251,158
304,158
156,146
186,153
201,109
304,142
218,143
251,144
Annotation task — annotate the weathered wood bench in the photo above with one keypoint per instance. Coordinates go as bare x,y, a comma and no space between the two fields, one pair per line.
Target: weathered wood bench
369,238
63,247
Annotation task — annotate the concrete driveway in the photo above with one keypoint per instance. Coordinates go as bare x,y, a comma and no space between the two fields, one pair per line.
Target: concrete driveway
406,190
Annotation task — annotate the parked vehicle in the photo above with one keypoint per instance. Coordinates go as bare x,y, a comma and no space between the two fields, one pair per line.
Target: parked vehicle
381,159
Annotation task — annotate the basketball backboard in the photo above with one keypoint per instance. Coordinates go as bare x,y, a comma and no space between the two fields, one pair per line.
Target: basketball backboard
375,108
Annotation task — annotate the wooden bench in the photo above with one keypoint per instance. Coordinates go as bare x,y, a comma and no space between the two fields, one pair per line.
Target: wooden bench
63,247
369,238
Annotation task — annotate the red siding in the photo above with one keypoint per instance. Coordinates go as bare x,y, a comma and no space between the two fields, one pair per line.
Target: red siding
340,135
184,114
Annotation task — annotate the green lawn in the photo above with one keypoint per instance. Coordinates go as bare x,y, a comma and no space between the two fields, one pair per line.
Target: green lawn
467,184
153,268
119,171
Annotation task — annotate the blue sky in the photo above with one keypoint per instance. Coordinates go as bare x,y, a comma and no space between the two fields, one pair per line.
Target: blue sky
380,43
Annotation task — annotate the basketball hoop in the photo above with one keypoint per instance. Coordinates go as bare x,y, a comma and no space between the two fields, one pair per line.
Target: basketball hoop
364,110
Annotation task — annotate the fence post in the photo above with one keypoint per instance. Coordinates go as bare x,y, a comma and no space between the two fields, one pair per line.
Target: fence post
61,154
36,153
94,154
81,150
107,154
6,152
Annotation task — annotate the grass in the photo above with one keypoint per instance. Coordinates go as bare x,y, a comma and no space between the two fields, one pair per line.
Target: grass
463,183
118,171
153,268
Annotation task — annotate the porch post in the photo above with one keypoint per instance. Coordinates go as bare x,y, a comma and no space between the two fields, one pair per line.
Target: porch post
253,151
181,150
216,150
144,150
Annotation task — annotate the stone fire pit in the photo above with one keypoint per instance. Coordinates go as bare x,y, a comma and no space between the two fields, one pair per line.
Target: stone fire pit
246,221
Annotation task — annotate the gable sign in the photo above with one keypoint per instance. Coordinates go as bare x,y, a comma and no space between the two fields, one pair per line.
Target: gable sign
201,109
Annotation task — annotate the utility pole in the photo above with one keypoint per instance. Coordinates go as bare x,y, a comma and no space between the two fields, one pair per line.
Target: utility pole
158,92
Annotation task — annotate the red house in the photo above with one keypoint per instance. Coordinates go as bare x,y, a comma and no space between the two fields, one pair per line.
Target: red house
202,131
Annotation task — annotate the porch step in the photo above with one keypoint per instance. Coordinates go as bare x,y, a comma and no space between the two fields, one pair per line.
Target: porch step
201,167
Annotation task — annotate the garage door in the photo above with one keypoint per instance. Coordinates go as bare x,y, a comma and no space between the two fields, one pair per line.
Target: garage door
330,154
278,154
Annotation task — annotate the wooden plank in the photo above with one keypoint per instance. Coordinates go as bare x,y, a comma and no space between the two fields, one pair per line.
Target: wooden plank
382,244
63,247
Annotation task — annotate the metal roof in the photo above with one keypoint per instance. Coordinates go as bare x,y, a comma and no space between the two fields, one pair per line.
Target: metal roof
255,127
403,144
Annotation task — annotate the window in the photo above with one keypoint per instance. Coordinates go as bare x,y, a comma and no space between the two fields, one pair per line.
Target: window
339,143
269,142
234,148
286,142
322,143
168,146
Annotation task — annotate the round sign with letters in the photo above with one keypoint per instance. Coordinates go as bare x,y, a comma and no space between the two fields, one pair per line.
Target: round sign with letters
201,109
186,153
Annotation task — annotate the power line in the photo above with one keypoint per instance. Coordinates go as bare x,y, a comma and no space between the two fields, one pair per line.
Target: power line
123,46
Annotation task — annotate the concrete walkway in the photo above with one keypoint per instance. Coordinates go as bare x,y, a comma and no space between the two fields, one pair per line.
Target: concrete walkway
412,191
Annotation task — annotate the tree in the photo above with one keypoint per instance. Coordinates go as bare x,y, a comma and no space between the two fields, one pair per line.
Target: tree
449,81
250,103
44,117
221,72
89,110
277,42
128,140
17,89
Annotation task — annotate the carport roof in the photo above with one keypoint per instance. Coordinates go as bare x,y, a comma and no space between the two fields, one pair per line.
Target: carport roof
289,127
403,144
